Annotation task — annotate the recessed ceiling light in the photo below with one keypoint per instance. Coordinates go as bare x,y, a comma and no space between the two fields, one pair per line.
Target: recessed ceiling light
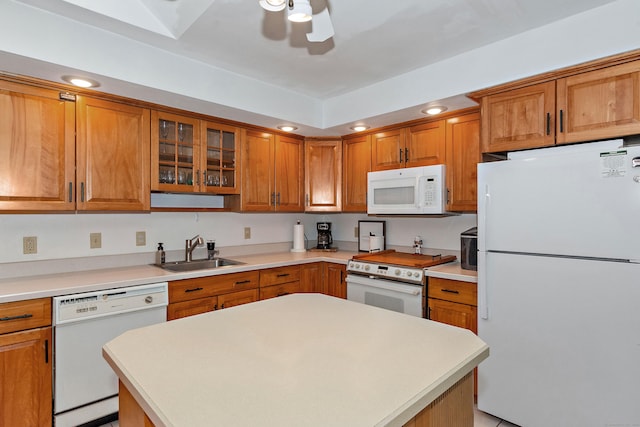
359,128
80,81
273,5
301,11
433,110
287,128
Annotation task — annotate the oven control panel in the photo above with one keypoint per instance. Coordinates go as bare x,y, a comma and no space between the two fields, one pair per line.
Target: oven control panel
391,272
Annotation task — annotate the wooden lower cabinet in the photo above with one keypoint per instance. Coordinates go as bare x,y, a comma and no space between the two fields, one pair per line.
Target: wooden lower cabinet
335,280
279,281
312,277
455,303
203,294
26,364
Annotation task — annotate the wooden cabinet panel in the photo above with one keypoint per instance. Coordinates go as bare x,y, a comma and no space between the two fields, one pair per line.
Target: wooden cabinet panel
426,145
190,289
37,149
113,155
323,176
311,277
461,315
336,275
388,149
599,104
279,290
258,172
237,298
233,282
289,182
356,164
519,119
463,155
25,378
178,310
28,314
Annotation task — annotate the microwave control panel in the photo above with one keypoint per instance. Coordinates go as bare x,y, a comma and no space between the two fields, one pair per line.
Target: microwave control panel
391,272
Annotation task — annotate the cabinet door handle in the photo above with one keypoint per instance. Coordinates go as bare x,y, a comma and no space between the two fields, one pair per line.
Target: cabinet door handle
406,155
82,192
401,155
198,177
283,275
548,123
280,294
273,199
20,316
192,290
70,192
46,351
278,199
307,199
450,291
561,121
242,282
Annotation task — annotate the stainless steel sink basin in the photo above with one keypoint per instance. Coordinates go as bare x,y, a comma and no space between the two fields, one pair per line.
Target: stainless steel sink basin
202,264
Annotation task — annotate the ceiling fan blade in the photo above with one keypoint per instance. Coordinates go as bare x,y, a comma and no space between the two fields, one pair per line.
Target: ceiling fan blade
321,27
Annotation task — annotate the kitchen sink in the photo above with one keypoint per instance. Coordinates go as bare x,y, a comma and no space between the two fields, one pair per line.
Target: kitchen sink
202,264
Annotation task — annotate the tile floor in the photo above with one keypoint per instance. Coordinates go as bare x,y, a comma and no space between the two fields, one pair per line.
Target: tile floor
480,420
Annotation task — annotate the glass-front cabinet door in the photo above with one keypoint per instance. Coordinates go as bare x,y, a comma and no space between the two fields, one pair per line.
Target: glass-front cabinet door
220,158
175,152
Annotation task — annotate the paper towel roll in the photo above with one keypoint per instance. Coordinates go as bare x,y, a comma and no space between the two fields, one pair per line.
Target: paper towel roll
298,238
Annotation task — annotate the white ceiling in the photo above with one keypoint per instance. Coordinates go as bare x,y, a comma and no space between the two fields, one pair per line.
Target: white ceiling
244,63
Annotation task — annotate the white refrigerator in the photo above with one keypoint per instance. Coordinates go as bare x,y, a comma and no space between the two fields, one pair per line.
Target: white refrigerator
559,286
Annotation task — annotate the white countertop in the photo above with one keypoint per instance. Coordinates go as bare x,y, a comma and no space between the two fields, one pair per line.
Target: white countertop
299,360
49,285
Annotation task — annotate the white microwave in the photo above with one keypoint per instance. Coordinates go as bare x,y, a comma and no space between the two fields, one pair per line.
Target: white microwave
408,191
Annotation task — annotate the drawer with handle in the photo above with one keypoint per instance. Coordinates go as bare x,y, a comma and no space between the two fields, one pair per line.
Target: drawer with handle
279,290
453,290
274,276
22,315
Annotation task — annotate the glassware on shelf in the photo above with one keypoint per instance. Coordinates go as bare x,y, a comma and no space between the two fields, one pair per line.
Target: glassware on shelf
164,129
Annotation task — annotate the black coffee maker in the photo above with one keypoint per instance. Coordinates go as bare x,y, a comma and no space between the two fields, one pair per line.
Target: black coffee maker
324,235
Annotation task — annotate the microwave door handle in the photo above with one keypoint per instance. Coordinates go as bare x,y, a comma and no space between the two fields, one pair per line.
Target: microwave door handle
418,197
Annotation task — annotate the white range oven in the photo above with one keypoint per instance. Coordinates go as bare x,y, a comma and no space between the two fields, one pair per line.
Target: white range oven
391,280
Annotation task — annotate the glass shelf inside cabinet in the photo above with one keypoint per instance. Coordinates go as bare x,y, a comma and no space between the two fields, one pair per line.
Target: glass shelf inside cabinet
175,145
221,158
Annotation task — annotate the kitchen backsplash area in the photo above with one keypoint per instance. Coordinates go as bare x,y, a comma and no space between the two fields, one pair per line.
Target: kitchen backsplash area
128,239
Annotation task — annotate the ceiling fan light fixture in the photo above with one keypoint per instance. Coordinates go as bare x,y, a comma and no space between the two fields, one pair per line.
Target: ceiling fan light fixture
273,5
300,12
435,109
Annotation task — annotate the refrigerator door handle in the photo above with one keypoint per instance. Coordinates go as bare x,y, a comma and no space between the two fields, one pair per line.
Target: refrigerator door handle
483,304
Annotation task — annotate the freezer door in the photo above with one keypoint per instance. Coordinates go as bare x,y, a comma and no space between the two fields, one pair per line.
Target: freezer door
576,202
564,336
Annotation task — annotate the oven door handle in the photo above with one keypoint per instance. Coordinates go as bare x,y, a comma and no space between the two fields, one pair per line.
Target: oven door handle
384,284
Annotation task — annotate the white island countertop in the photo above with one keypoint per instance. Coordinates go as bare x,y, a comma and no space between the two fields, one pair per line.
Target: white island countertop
299,360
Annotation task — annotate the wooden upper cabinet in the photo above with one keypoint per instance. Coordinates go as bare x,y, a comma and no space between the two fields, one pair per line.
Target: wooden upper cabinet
388,149
599,104
519,119
356,163
463,155
113,156
272,170
37,149
323,176
289,172
426,144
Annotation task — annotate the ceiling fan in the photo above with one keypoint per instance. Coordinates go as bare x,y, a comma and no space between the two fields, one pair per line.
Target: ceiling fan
301,11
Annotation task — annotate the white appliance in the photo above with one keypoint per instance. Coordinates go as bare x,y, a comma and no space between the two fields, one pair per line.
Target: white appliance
559,286
85,386
408,191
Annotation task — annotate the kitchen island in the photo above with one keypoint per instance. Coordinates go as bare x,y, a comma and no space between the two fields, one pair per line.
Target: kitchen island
303,359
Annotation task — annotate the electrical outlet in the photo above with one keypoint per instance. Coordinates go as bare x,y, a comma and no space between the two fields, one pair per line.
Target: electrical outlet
29,245
355,231
141,238
247,232
95,240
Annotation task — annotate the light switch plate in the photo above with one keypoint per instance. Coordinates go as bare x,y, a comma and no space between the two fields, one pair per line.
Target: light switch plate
247,232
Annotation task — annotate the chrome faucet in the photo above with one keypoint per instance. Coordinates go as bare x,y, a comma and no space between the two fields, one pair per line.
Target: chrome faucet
190,245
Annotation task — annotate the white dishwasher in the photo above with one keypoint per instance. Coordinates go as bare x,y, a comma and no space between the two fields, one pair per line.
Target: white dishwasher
85,386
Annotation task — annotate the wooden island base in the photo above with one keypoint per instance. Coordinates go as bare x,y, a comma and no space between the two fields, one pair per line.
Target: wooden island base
454,408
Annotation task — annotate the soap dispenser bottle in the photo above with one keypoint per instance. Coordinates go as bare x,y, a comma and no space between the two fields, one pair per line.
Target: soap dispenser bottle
160,256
